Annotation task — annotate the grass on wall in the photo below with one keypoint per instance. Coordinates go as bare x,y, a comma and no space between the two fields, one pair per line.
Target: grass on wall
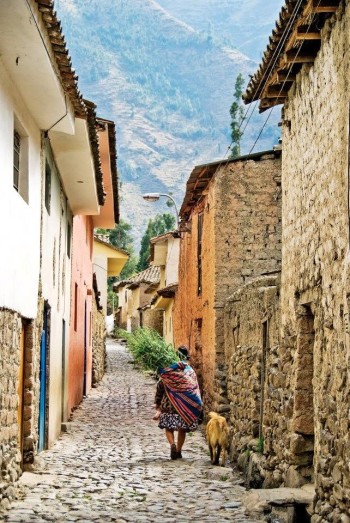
148,348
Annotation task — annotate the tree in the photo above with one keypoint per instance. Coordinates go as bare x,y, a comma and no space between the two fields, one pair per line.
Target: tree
237,113
120,237
161,224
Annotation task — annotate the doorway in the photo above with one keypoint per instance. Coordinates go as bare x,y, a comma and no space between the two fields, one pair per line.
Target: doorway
20,389
85,348
44,378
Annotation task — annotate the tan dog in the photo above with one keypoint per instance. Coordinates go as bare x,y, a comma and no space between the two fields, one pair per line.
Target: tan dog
217,437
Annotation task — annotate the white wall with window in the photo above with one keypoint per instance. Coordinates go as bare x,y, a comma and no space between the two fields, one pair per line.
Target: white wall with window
56,278
20,187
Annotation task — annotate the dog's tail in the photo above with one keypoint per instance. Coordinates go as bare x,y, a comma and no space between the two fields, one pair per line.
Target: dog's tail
212,415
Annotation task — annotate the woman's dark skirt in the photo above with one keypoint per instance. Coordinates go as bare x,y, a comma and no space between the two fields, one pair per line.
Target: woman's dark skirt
175,422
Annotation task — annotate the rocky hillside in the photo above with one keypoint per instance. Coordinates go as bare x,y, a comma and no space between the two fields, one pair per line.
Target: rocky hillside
166,82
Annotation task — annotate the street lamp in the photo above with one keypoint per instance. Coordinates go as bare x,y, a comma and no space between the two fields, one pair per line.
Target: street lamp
154,197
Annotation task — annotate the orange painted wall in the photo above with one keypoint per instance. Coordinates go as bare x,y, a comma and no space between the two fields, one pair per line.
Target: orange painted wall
194,315
241,240
80,294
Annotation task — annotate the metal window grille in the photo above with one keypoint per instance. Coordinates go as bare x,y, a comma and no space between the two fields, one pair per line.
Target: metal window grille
47,186
16,159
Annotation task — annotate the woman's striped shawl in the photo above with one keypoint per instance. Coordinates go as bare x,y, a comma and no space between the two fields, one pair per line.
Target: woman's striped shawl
181,387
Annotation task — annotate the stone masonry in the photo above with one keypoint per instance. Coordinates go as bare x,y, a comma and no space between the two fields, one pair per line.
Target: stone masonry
315,272
257,369
18,440
10,334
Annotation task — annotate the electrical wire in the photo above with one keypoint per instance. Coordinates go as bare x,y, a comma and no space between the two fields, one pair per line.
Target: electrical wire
285,80
275,56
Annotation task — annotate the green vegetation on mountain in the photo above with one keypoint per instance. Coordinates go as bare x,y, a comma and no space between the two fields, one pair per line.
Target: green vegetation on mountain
161,224
166,84
237,118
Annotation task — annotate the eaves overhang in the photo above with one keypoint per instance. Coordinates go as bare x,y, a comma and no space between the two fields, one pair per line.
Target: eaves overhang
202,175
27,55
74,159
109,212
295,41
116,258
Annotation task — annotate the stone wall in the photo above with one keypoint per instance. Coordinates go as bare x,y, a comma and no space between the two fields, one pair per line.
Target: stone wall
255,377
153,319
98,345
10,334
19,392
315,271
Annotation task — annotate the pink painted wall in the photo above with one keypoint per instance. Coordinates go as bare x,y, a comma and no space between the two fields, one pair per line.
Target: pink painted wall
81,294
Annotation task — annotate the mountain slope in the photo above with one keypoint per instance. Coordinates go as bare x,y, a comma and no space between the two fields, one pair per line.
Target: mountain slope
168,87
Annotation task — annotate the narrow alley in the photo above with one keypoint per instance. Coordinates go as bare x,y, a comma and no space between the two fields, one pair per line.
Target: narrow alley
113,464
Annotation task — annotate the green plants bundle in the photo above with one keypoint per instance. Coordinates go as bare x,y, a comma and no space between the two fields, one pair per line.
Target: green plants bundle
150,350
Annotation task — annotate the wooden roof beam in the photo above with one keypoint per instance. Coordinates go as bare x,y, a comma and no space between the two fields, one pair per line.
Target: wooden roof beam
321,6
297,56
266,103
276,92
285,76
305,33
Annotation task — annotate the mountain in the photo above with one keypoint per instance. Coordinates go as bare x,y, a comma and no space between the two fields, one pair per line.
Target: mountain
168,85
245,26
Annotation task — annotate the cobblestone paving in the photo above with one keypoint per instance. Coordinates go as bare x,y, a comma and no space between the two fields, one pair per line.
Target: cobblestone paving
113,465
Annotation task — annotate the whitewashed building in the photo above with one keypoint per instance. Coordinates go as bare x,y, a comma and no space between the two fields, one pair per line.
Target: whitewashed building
165,250
50,171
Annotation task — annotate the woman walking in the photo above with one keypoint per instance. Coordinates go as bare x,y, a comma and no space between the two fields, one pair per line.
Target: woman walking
178,402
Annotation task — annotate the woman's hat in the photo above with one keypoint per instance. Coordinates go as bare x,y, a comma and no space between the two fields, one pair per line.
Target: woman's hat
183,352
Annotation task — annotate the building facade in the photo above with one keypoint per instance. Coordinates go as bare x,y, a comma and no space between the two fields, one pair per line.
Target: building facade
165,255
314,337
231,224
135,297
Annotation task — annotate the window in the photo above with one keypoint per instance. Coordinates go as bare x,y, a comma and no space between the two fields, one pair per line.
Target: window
69,234
47,186
199,253
76,307
20,160
16,158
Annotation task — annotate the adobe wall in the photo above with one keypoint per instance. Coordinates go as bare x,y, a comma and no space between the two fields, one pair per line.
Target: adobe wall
315,272
193,314
248,238
153,319
241,239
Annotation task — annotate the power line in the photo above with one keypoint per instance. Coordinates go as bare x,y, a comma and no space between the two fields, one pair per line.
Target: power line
285,80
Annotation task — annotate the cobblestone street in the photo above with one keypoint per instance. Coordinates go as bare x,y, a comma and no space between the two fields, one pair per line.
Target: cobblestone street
113,464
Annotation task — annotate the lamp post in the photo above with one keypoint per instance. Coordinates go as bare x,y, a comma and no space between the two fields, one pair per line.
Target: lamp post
154,197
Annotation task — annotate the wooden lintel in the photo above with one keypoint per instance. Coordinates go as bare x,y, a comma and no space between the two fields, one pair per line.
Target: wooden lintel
266,103
324,9
308,36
